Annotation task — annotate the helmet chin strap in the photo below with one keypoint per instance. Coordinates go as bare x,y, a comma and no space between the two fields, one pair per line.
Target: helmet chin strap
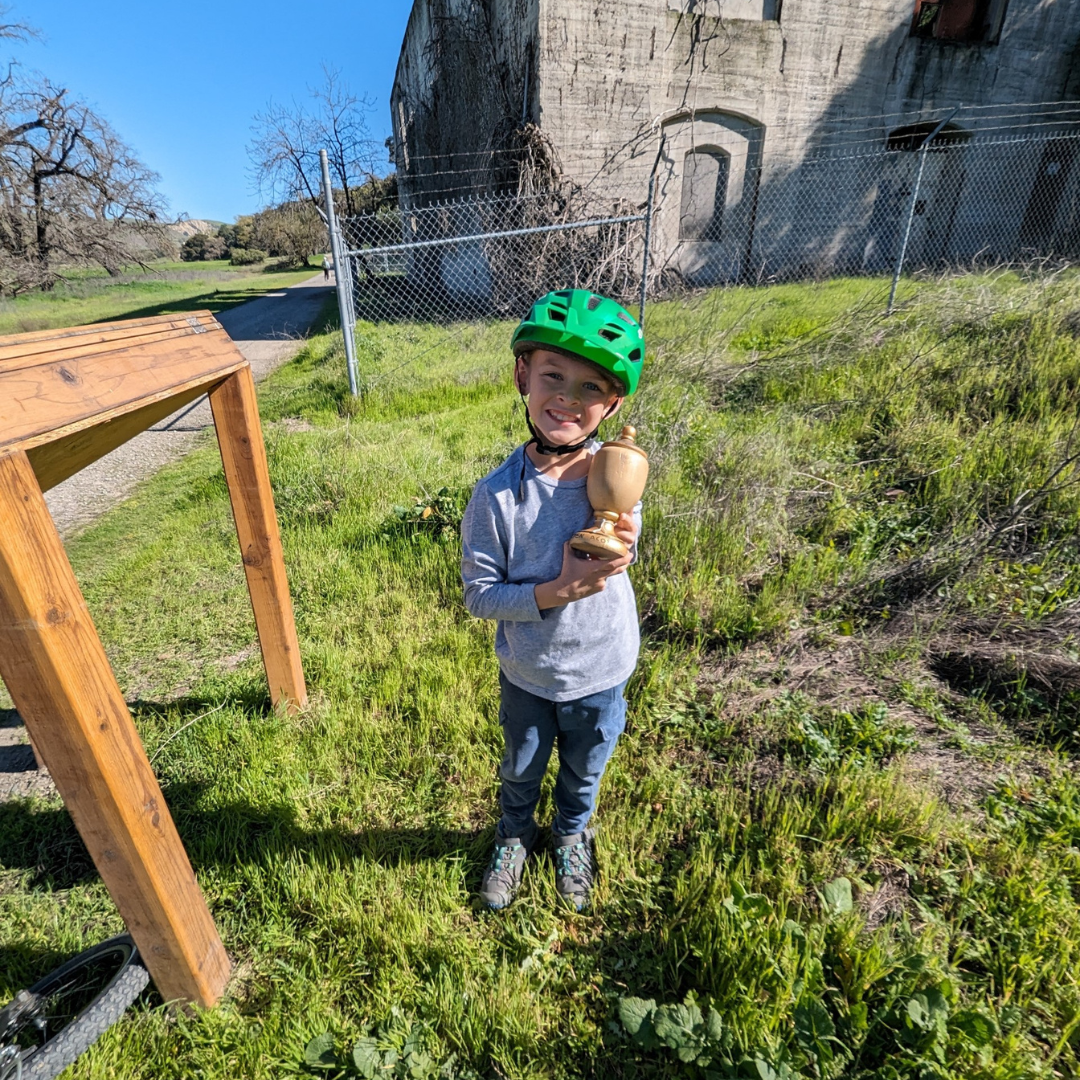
545,449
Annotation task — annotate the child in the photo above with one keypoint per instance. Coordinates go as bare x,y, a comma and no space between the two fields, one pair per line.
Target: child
567,635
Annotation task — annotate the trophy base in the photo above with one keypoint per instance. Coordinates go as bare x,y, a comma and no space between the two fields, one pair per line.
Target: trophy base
598,544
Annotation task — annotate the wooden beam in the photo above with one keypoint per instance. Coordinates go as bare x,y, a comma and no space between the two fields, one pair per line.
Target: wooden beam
57,460
80,350
40,403
47,346
243,453
59,678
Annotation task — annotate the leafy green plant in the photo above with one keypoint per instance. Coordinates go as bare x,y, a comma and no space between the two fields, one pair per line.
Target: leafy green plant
1046,810
699,1040
437,515
400,1048
695,1038
866,735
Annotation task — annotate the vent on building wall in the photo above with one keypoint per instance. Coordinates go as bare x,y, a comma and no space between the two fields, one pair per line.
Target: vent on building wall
912,137
728,10
971,21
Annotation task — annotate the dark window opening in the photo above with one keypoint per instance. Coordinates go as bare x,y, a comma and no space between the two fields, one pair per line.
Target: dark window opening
958,20
912,137
704,192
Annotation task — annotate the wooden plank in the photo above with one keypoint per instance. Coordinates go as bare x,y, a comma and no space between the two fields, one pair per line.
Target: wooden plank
36,342
243,453
80,349
38,401
55,461
59,678
199,385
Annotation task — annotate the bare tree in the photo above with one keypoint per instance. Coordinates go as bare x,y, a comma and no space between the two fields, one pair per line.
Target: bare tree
15,31
71,191
288,138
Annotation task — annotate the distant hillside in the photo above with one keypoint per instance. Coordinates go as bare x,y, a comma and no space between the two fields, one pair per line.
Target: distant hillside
183,229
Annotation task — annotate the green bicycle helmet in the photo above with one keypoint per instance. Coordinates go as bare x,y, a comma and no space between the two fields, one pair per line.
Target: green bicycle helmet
590,327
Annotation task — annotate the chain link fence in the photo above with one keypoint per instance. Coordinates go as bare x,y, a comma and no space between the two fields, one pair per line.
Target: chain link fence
953,192
491,255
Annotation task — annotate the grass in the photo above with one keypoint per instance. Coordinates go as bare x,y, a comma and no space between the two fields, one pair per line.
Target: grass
162,289
840,835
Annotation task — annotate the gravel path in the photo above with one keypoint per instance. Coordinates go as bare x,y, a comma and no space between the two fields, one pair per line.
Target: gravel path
268,331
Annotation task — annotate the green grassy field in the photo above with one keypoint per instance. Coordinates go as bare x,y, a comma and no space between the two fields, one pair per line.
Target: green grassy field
164,288
840,836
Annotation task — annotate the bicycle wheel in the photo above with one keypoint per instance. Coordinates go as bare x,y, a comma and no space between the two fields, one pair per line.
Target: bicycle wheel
44,1029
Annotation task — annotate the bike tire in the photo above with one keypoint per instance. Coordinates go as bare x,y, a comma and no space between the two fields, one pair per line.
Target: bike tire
92,1018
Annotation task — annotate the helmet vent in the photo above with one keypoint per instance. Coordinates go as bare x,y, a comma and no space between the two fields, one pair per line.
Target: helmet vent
611,335
565,295
635,354
594,303
625,318
555,313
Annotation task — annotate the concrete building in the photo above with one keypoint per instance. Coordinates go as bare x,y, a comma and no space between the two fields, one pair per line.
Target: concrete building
767,121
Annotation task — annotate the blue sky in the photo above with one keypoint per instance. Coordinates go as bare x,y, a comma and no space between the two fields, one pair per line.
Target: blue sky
181,82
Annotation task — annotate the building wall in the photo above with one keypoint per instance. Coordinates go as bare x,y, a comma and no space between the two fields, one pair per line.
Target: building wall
762,89
770,95
614,70
466,68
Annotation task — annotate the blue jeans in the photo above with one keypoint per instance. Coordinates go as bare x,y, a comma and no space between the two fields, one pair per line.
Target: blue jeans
585,729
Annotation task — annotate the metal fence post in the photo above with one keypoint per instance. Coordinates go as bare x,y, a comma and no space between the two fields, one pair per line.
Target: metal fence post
911,209
645,257
343,279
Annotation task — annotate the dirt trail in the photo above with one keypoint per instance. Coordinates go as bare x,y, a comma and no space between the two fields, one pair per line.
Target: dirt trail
268,331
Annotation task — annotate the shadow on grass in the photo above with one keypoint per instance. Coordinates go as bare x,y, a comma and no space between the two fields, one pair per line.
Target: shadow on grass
18,757
45,841
213,300
22,965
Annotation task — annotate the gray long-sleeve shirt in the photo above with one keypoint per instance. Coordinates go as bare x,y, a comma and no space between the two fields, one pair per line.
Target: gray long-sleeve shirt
509,547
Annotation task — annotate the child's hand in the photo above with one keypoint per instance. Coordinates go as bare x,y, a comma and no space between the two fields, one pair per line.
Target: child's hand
626,529
578,578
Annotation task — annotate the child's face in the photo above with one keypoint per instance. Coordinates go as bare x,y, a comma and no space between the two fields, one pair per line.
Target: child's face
567,398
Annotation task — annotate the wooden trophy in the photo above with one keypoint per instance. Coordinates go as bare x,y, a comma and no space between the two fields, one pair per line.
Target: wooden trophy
617,478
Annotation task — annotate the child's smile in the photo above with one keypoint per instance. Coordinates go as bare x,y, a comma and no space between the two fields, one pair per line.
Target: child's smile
567,398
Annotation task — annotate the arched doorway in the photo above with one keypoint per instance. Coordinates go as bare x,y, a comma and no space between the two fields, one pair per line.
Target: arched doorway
706,197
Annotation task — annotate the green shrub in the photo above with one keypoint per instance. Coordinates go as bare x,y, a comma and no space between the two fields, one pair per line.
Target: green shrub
246,256
202,247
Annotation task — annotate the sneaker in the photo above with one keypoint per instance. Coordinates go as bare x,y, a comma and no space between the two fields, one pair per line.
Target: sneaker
502,879
575,867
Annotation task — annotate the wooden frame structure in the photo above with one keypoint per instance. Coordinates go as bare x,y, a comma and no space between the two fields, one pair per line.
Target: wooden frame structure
66,398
